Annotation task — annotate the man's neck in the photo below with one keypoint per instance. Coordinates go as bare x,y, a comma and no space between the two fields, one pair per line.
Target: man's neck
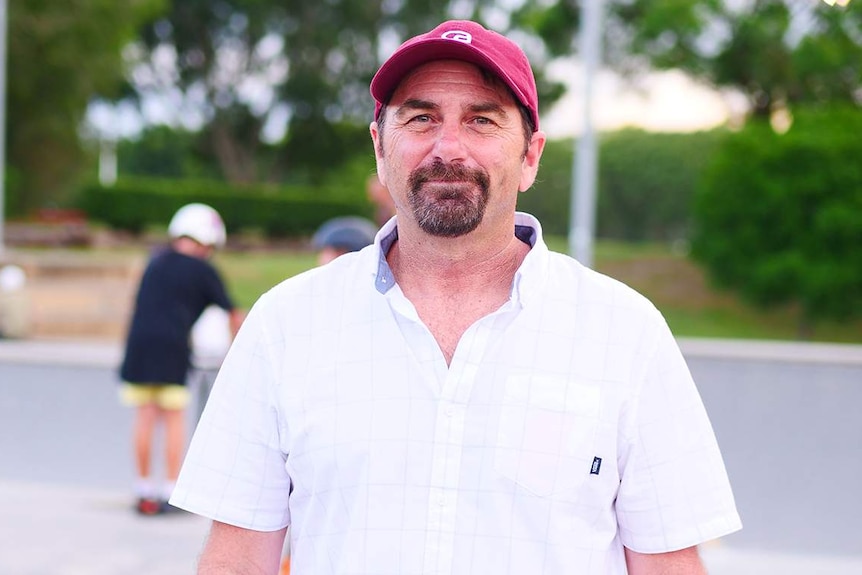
456,264
452,289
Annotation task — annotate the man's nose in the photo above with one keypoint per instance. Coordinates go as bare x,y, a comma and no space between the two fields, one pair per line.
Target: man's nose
449,145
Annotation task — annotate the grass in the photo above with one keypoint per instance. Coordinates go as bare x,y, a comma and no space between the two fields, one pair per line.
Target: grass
693,308
249,274
672,282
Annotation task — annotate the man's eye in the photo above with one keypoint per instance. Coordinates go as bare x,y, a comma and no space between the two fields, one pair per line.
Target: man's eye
421,119
483,121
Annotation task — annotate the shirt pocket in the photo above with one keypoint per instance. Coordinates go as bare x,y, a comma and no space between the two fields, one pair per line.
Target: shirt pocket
546,434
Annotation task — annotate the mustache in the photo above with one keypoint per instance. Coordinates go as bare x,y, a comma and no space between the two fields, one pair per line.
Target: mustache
441,172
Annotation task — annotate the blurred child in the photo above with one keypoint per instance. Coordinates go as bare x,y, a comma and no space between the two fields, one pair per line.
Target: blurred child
177,285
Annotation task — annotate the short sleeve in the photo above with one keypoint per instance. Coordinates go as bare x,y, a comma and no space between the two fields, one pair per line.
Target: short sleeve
234,471
217,290
674,490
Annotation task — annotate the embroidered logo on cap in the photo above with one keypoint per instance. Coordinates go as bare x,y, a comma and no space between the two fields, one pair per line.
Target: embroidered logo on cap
458,36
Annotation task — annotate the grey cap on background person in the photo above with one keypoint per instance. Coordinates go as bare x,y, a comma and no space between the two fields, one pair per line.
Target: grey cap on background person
345,234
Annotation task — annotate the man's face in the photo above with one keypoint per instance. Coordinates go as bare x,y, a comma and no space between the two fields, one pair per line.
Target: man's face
452,149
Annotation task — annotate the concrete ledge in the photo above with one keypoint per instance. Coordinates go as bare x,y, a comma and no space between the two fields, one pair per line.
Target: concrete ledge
104,353
790,351
62,352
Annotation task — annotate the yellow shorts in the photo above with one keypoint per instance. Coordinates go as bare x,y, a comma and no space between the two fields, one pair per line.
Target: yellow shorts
166,396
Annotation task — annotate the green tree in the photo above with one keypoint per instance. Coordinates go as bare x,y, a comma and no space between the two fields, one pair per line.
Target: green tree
308,60
58,59
163,152
647,183
776,52
779,216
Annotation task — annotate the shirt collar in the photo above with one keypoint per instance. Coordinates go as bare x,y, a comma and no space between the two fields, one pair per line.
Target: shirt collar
386,236
530,273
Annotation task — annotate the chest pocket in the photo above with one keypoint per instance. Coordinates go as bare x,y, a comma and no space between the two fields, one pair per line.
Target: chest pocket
546,434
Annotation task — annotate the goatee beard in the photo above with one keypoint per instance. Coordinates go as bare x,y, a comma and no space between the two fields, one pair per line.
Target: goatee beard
451,207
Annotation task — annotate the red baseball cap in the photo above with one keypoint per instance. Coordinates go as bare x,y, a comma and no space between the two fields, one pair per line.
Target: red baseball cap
460,40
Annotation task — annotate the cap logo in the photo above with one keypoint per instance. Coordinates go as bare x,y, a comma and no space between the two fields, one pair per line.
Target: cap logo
458,36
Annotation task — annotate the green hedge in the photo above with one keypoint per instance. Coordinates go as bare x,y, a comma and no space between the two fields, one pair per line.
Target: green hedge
779,216
137,203
646,184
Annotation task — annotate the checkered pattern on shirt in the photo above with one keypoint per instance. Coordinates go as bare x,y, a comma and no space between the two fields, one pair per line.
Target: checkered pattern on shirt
336,413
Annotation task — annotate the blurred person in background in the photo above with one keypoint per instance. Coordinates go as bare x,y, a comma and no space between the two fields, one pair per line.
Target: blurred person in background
338,236
457,399
381,199
178,284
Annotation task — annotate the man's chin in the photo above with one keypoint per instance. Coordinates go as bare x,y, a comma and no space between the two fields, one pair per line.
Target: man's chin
448,229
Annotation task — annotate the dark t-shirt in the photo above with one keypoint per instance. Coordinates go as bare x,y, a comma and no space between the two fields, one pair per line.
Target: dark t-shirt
174,291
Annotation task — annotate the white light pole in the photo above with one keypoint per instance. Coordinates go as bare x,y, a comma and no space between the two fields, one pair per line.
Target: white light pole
583,203
3,20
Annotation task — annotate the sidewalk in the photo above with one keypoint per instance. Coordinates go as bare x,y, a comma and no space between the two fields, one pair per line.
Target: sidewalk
51,530
70,530
107,353
54,530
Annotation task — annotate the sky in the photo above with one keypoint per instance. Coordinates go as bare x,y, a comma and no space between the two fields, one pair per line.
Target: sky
661,101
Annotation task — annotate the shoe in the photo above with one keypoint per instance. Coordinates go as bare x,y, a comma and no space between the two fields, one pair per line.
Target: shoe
167,508
146,506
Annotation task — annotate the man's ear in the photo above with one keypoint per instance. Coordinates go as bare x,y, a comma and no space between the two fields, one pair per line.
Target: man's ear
530,163
378,152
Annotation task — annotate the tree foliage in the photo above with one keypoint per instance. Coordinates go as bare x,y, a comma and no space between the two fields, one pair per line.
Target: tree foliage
59,58
646,184
776,52
251,63
779,217
163,152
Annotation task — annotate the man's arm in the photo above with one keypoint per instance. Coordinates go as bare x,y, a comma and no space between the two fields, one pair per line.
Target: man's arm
682,562
233,550
235,319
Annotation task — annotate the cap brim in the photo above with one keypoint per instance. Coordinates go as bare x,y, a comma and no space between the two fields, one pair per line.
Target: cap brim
393,71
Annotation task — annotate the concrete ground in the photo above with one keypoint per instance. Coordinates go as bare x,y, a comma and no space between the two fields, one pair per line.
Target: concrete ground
51,528
56,530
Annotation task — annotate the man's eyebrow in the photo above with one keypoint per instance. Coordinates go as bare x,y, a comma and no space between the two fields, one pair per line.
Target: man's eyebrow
416,104
487,107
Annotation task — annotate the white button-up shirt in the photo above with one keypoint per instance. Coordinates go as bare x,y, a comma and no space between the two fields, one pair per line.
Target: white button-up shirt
566,426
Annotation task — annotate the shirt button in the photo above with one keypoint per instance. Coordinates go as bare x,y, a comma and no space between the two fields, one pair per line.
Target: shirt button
450,411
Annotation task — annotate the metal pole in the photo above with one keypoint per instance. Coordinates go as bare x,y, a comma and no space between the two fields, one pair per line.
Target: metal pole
583,203
3,26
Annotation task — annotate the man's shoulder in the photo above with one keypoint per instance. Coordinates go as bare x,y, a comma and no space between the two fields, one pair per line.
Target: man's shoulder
597,287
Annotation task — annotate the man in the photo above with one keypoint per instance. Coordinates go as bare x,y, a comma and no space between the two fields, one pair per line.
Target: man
380,198
177,285
341,235
456,398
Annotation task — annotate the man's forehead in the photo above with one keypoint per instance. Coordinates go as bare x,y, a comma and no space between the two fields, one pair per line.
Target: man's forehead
445,73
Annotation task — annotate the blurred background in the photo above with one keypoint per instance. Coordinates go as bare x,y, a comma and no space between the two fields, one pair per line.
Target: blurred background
725,137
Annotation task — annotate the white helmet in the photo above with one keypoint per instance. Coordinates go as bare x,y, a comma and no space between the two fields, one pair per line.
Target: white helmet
199,222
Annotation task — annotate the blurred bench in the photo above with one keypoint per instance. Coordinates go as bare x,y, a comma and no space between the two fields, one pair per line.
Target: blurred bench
50,227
